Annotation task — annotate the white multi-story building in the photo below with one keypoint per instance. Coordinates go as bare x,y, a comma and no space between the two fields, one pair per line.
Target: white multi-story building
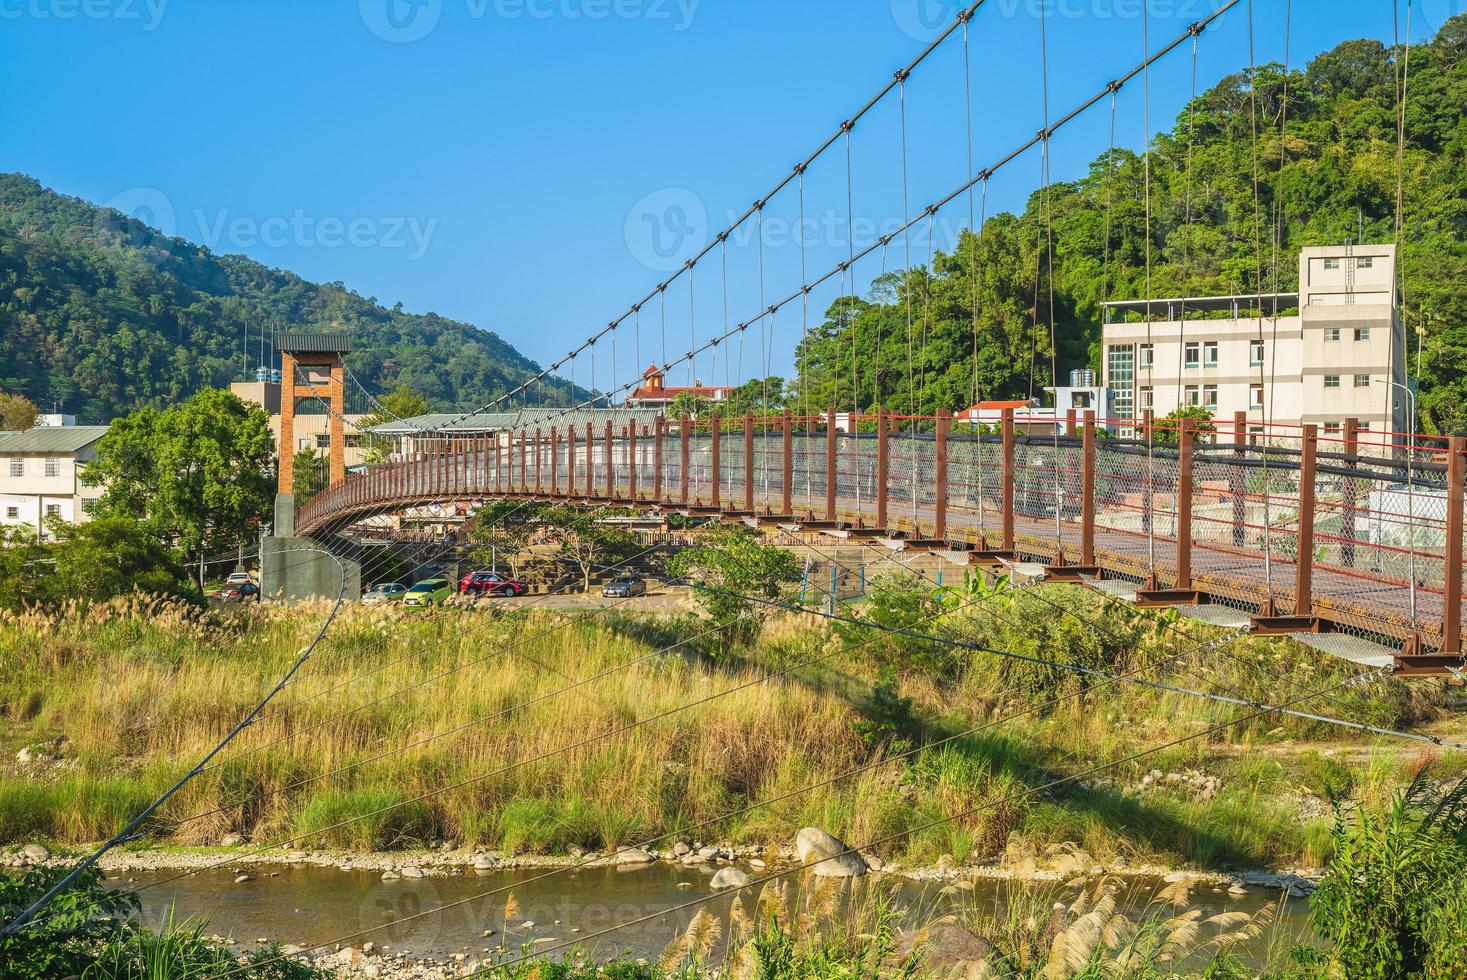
1341,355
40,474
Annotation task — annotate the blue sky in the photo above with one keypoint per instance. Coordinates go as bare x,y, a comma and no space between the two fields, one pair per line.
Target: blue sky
535,166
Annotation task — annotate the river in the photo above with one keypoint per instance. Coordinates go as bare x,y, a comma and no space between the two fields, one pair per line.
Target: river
309,905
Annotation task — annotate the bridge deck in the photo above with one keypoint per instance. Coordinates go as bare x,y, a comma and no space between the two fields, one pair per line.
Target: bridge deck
1202,519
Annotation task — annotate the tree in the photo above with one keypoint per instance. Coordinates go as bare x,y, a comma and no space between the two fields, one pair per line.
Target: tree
586,549
402,402
1169,427
307,480
17,412
733,564
91,562
686,405
199,475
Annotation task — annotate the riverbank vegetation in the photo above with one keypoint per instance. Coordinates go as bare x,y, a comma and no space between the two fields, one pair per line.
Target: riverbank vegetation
103,708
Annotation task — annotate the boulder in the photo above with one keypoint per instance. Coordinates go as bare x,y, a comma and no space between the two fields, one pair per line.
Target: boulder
231,840
834,859
945,951
728,878
682,848
634,855
413,873
34,854
708,853
241,879
485,862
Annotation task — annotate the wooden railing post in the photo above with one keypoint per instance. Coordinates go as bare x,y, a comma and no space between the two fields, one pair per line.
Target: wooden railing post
554,462
749,461
610,461
1238,479
539,459
632,459
524,461
883,465
1006,476
715,455
570,461
685,433
1184,504
1070,422
944,425
1351,494
658,425
830,465
1148,481
1087,491
786,507
590,461
1452,587
1304,559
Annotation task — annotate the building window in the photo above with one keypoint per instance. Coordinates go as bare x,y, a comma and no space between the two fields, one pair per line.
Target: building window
12,513
1362,333
1255,353
1331,380
1331,263
1365,262
1333,333
1209,354
1362,381
53,466
53,510
1148,397
17,467
1209,396
89,506
1193,395
1193,355
1255,396
1121,373
1363,427
1331,428
323,441
1148,356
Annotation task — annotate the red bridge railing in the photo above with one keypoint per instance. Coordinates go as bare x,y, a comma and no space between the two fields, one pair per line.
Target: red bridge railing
1340,527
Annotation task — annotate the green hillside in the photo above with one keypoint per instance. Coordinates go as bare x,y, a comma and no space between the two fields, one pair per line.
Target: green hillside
1329,177
103,314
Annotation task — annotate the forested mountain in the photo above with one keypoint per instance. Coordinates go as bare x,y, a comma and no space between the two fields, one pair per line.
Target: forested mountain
103,314
1326,174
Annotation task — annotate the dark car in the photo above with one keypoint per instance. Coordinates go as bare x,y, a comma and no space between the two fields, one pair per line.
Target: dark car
491,583
624,587
239,592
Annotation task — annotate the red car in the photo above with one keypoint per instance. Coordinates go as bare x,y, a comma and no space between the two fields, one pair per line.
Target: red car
490,583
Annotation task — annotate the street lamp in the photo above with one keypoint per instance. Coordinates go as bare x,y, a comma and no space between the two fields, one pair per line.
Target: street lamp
1410,486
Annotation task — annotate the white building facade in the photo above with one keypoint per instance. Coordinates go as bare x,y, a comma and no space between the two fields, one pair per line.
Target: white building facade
1341,355
41,475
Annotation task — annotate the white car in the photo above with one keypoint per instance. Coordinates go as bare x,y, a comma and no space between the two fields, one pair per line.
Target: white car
239,578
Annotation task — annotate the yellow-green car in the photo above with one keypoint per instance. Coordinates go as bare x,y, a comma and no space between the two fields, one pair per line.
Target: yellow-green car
429,592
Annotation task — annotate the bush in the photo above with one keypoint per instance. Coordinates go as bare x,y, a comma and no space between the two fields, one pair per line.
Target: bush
1395,889
62,941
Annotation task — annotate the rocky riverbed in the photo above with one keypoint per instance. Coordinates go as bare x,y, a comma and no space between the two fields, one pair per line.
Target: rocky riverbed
313,898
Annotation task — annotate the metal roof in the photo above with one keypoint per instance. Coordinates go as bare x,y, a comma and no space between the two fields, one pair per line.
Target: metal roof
313,342
1169,305
528,418
51,439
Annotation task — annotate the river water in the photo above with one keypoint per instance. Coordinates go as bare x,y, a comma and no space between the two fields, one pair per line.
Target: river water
307,905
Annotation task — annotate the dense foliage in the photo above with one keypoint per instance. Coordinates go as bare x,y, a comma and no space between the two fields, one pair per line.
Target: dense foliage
1326,166
91,562
200,475
102,314
732,563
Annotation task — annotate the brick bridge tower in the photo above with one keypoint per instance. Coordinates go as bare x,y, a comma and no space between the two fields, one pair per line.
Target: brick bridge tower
311,367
